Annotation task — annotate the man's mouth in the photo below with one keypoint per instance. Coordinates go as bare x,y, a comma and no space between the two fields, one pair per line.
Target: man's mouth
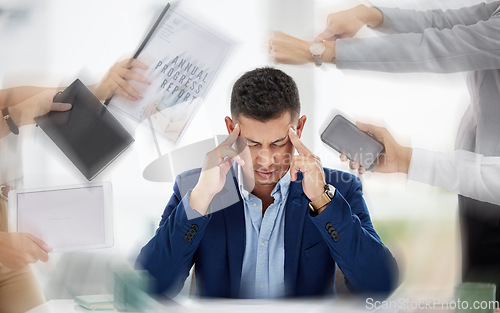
265,174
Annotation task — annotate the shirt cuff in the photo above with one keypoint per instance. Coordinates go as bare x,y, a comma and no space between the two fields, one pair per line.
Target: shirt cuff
385,26
338,212
192,213
421,166
391,18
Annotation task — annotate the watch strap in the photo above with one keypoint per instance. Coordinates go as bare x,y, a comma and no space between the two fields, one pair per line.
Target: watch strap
323,200
4,192
8,119
317,204
317,49
317,60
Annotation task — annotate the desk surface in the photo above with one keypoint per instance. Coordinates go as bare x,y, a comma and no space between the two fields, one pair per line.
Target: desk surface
55,306
212,306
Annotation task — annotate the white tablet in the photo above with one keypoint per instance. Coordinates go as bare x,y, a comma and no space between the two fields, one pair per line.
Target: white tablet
67,218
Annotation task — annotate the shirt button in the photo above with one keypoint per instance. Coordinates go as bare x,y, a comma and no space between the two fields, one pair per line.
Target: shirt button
254,204
263,244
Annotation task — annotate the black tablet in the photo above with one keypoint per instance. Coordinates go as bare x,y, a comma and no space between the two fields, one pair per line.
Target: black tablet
88,134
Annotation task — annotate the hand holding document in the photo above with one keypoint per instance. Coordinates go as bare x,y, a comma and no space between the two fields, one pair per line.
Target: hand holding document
116,80
182,58
21,249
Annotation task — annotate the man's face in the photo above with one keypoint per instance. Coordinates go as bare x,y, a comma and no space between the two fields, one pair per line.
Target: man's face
270,148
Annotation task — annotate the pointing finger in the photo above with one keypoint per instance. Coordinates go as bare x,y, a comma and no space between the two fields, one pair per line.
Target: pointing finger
301,149
325,35
226,152
233,136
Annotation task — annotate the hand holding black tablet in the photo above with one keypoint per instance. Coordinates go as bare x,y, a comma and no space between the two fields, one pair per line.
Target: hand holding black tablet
88,134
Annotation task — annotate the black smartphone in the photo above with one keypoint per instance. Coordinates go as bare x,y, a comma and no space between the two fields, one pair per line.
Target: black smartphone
346,138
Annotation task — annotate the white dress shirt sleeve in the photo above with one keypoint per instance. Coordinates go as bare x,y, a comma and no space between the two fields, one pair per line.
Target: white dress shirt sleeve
469,174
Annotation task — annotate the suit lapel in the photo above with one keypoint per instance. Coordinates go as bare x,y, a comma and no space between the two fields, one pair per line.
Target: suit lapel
295,214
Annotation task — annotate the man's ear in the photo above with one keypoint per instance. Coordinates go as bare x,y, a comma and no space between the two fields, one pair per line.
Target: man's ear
229,124
300,125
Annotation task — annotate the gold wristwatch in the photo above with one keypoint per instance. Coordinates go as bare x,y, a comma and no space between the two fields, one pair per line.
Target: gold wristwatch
323,200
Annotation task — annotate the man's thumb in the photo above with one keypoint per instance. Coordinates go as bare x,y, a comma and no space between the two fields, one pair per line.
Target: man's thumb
374,131
363,127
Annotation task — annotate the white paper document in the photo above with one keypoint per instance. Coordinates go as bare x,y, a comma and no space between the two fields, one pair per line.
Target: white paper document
184,58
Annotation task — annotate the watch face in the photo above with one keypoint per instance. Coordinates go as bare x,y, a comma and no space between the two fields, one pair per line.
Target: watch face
330,190
317,48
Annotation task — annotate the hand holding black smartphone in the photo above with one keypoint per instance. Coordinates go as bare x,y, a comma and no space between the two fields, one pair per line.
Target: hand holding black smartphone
344,137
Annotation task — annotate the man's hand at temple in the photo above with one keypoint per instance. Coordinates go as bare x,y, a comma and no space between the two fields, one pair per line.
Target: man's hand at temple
213,174
313,181
394,159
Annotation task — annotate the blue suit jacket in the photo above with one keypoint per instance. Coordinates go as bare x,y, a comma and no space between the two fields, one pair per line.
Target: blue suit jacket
342,234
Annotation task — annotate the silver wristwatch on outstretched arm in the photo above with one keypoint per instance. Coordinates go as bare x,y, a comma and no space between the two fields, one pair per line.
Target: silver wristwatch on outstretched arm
317,49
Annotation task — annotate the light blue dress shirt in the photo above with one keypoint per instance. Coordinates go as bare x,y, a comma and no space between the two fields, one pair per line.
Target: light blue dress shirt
262,274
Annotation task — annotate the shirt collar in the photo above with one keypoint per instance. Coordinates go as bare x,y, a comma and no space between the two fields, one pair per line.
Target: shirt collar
282,186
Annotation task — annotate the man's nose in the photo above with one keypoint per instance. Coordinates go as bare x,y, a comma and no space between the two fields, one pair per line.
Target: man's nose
265,158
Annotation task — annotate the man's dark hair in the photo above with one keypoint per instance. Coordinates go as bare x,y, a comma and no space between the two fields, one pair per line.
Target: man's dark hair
264,94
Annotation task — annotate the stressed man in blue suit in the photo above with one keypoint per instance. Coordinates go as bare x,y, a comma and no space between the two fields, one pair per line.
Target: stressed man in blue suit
258,220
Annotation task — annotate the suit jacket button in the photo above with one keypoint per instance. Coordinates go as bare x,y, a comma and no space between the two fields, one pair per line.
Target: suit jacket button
328,226
192,232
187,238
335,236
195,227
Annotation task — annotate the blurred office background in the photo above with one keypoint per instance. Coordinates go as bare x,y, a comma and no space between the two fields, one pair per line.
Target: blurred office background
52,42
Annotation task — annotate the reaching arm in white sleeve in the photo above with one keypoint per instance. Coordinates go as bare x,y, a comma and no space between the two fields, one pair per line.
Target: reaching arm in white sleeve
452,41
410,21
469,174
